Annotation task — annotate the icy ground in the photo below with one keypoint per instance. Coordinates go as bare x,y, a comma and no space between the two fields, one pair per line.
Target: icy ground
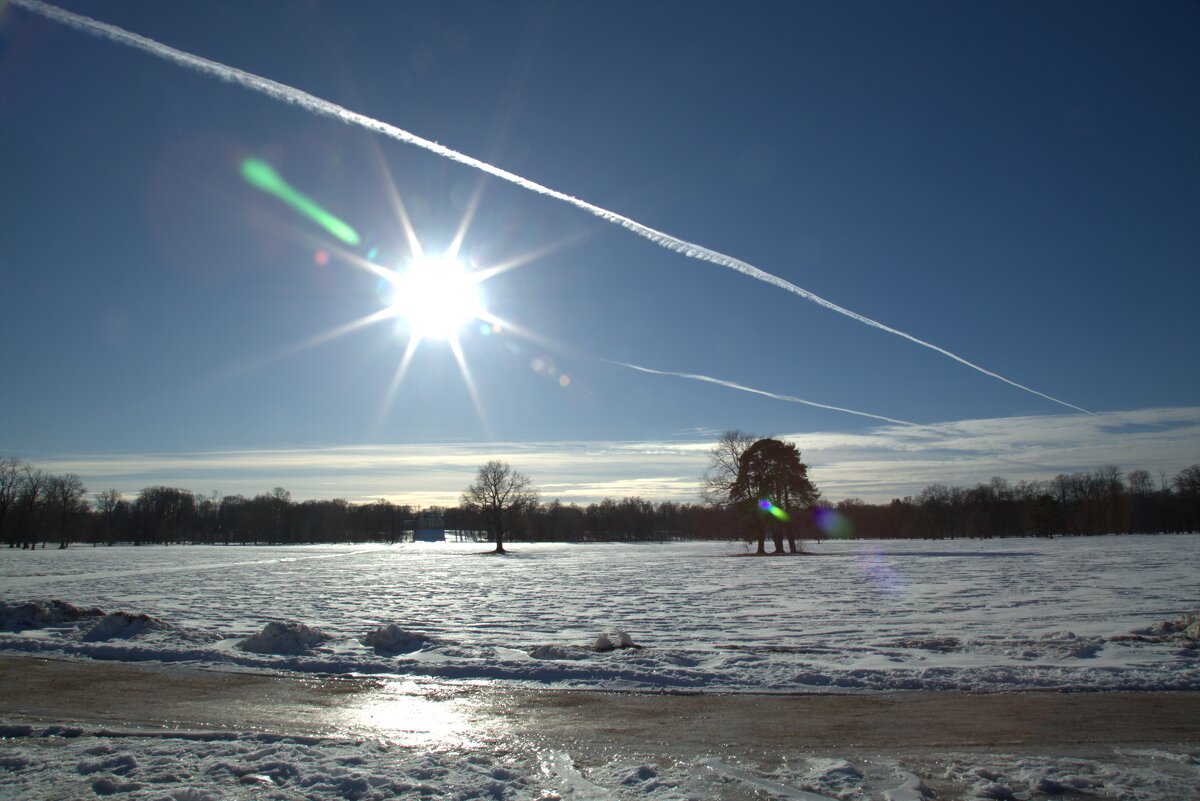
1084,614
71,763
1102,613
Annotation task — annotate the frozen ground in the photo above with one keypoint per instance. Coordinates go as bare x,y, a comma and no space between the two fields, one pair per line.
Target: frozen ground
156,732
1114,613
204,767
996,615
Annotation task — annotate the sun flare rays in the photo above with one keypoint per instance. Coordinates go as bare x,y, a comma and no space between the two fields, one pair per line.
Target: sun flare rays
431,297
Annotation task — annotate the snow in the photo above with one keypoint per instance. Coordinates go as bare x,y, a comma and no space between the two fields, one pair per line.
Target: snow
1139,776
122,626
390,640
1071,614
40,614
769,787
193,766
612,640
284,638
1104,613
1184,630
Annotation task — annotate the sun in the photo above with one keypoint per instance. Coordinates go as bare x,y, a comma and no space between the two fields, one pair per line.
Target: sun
435,297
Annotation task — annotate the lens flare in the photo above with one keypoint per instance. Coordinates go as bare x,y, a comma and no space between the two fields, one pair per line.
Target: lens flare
833,523
878,570
263,176
773,510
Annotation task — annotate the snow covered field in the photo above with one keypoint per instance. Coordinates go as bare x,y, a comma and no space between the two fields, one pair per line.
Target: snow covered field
995,615
861,617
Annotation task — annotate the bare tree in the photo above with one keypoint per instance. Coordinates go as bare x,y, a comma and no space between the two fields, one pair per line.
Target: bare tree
12,470
108,504
1140,482
718,478
498,493
31,502
1187,485
1187,482
65,500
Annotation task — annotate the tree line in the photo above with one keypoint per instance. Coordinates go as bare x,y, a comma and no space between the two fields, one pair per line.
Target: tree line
1103,501
40,508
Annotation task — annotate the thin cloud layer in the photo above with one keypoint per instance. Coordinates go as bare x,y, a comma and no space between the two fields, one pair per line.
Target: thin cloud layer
874,465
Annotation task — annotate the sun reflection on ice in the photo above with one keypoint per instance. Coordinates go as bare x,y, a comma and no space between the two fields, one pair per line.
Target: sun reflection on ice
415,714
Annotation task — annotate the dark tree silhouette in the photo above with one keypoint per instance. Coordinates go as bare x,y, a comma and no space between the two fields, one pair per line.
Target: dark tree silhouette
66,505
717,479
499,493
12,471
773,491
36,506
163,514
108,506
1187,484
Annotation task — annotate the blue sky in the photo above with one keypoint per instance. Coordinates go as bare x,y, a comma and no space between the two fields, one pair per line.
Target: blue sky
1018,183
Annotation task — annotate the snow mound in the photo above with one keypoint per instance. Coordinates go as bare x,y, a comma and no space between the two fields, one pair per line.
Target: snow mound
123,625
837,773
1185,628
911,788
391,640
612,640
560,652
605,642
40,614
284,638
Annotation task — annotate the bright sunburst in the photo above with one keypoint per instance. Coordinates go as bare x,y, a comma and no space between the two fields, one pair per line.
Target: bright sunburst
430,298
435,297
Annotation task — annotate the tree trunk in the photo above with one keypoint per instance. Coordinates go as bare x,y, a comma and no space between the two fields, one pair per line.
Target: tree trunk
777,537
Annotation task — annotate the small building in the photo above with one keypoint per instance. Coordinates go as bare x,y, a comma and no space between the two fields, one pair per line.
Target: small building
428,527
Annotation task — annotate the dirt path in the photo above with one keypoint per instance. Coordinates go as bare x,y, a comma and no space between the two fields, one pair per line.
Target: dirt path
141,696
874,722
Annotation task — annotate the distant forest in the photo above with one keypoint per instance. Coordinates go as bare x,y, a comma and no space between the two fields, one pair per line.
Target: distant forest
39,508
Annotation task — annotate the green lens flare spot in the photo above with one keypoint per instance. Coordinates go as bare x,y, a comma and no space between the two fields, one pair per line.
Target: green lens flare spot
263,176
772,509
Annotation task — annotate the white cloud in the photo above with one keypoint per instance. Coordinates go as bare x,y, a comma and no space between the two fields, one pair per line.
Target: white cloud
875,465
898,460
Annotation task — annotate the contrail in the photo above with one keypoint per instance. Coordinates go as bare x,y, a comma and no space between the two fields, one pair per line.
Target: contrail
741,387
297,97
